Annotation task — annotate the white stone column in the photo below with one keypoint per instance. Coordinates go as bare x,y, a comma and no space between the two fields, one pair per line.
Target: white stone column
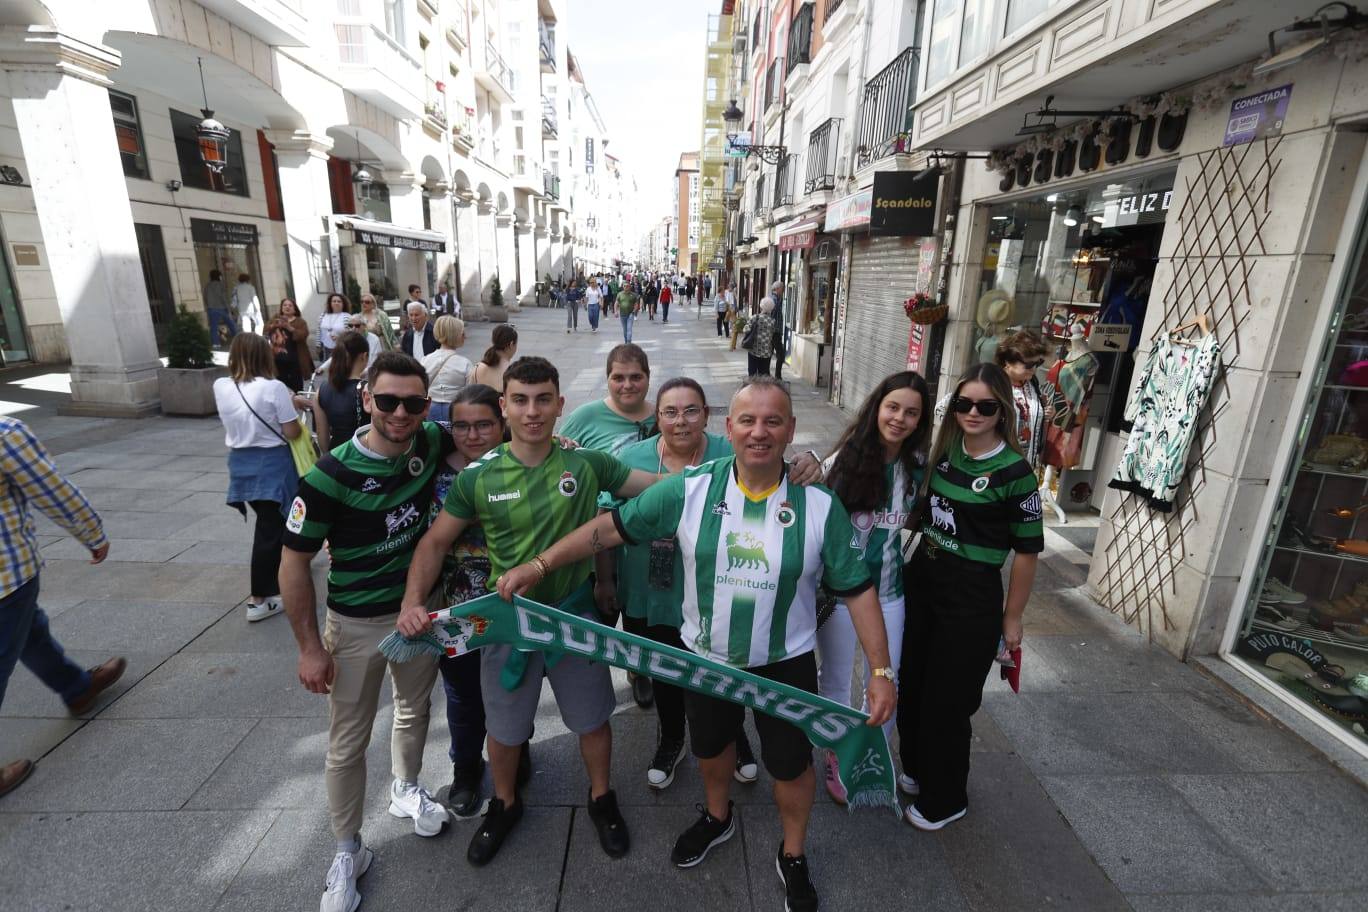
61,108
468,247
508,259
440,208
527,263
302,160
489,257
541,238
406,210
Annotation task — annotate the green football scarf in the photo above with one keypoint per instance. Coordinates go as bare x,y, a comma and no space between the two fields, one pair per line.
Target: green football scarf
864,762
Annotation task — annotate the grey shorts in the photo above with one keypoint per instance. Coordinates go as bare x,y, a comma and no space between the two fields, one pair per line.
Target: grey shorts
584,694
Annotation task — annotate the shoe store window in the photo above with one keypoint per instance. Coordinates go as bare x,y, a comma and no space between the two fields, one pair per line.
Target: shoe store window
1305,627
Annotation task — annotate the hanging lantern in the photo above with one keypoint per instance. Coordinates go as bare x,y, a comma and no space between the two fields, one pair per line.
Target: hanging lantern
362,177
213,142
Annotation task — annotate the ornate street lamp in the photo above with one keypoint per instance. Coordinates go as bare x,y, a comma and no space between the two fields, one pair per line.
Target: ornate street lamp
768,154
212,135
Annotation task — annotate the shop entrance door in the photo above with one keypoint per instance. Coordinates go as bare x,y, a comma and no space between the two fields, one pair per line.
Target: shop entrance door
156,278
13,338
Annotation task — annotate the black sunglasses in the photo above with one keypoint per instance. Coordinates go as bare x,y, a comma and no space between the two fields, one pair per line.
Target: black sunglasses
414,405
986,407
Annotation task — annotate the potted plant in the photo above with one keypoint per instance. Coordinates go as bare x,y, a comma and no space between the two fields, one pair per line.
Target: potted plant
922,308
496,312
187,381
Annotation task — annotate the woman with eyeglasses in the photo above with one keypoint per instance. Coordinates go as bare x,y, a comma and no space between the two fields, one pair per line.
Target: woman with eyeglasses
1020,355
378,322
875,469
650,577
982,508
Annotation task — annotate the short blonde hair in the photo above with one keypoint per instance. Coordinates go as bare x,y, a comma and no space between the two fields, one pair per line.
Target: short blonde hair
249,357
449,330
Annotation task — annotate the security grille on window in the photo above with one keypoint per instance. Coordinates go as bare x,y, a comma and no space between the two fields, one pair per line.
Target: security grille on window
128,134
194,173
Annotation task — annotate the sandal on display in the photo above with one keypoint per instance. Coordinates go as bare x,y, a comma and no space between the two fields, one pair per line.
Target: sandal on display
1358,685
1331,673
1354,633
1335,700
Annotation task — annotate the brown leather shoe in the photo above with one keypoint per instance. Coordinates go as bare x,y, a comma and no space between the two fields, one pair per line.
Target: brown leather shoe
101,678
12,774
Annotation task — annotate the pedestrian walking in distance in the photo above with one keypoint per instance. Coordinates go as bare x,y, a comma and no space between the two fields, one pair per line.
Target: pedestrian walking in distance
216,306
248,305
28,479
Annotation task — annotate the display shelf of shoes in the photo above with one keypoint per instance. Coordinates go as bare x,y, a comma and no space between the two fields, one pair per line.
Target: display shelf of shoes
1314,469
1307,632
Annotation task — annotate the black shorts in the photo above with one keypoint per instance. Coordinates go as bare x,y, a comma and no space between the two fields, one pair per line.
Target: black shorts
784,749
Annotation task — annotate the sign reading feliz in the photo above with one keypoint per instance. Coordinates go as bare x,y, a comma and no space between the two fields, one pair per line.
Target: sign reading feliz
864,762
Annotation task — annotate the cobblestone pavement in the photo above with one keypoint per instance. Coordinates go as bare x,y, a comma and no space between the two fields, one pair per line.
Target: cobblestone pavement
1118,779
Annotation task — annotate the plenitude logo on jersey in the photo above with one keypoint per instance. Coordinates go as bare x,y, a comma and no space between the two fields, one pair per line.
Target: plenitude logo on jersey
745,552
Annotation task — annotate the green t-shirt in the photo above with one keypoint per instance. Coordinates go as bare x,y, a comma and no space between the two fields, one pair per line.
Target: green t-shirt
981,509
878,532
751,567
372,511
626,300
595,426
637,595
526,510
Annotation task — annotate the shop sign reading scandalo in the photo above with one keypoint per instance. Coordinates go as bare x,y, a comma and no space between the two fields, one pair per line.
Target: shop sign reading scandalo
904,204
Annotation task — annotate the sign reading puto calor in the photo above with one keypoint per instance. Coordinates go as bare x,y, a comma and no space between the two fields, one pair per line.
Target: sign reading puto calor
904,204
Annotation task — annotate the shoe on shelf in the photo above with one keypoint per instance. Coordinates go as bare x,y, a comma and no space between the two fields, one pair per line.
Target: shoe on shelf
1270,615
267,607
1285,593
409,799
463,795
13,774
347,867
908,786
661,772
525,765
747,770
799,894
612,829
834,788
1357,685
694,844
102,677
643,690
915,818
498,822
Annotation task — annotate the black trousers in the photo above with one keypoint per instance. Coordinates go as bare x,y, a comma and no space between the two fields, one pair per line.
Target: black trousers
722,328
954,622
464,710
665,311
778,363
669,699
270,528
756,366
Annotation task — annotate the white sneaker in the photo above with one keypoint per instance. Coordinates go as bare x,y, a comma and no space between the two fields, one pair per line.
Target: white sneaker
411,800
341,895
914,817
268,608
908,786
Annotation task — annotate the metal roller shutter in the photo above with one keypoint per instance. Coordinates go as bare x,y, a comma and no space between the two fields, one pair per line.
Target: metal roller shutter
883,274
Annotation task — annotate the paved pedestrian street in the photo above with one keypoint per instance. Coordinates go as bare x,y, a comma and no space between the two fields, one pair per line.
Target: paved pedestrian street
1117,779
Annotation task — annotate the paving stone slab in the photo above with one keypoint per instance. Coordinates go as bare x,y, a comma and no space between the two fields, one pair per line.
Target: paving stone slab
129,478
233,633
120,625
169,582
228,527
28,698
209,481
122,550
207,503
32,738
1116,665
1301,831
124,862
206,685
213,552
129,765
1256,744
134,499
1250,902
76,460
1147,838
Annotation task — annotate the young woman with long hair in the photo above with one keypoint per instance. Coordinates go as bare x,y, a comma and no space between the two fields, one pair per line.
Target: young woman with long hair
502,349
876,470
337,407
332,323
982,507
259,420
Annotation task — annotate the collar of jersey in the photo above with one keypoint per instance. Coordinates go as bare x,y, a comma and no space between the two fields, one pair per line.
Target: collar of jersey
757,496
1002,445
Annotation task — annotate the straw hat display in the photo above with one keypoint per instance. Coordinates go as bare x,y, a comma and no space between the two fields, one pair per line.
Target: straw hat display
994,310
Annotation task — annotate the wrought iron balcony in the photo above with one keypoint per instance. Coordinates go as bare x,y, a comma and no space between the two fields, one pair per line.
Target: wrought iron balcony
546,42
886,109
823,147
786,180
774,83
551,185
800,39
831,7
548,118
495,74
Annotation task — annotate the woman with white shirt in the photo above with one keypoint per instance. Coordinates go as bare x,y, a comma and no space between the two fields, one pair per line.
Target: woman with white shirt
333,323
259,421
448,370
248,306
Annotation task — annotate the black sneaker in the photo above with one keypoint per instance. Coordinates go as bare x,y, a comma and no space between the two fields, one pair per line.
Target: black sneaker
525,765
498,822
612,829
799,895
463,795
693,844
643,691
747,770
669,751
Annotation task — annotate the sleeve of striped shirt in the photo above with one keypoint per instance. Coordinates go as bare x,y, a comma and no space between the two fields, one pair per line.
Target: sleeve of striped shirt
27,465
655,513
843,567
1026,531
310,519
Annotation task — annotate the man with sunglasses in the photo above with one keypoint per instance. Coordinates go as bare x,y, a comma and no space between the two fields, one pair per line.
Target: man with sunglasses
369,499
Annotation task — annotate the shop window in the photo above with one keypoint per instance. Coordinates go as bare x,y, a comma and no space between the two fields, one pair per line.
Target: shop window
1020,12
128,134
194,173
373,201
945,24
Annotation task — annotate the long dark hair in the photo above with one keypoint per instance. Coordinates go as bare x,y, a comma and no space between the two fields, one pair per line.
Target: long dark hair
857,474
502,337
480,394
350,346
949,434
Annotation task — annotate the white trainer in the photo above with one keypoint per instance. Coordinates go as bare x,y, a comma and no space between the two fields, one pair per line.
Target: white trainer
908,786
269,607
914,817
411,800
341,894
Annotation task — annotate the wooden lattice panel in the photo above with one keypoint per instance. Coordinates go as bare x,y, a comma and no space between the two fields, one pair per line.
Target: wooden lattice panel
1220,236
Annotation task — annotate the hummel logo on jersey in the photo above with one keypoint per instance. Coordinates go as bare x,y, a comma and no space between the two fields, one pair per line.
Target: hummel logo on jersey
721,509
506,495
370,484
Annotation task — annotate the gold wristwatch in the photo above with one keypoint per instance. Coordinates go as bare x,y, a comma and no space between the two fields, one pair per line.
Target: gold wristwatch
884,673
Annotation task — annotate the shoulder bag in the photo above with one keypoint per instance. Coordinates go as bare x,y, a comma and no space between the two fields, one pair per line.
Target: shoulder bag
302,448
748,336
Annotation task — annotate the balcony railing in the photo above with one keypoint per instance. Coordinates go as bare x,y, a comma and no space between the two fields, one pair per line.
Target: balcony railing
458,23
497,68
551,185
886,109
463,127
548,118
831,7
546,42
800,39
378,68
774,83
786,180
823,144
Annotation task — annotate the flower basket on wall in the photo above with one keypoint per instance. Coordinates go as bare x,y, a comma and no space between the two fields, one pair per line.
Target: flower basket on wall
922,308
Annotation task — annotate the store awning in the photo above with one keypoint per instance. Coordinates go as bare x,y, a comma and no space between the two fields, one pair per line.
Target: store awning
799,237
850,212
383,234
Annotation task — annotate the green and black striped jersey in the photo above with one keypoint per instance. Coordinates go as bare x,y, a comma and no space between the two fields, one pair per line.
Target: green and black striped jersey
981,509
371,511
